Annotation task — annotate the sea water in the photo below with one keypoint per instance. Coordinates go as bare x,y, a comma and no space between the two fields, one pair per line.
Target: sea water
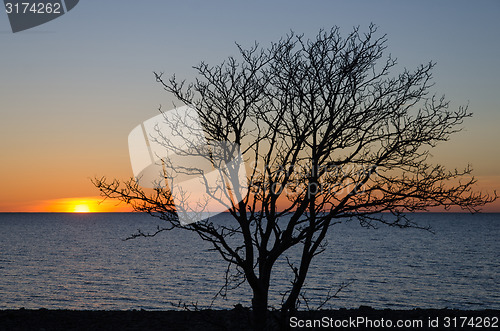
80,261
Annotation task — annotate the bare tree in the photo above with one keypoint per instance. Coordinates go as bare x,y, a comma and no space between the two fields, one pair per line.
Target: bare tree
327,135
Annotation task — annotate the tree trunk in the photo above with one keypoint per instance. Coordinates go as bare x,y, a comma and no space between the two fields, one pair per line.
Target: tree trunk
259,307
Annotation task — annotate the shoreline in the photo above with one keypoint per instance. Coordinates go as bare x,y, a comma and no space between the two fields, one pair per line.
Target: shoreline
239,318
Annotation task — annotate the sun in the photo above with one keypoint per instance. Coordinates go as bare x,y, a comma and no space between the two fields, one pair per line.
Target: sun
81,208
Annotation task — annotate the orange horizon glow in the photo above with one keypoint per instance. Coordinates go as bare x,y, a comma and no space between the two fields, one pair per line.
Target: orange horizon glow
96,204
77,205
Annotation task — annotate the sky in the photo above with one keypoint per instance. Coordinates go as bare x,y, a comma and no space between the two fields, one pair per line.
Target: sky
72,89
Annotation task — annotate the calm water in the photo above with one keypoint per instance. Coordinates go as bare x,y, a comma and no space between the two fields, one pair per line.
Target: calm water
79,261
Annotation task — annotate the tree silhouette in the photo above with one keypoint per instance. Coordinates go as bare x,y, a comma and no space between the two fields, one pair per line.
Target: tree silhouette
327,135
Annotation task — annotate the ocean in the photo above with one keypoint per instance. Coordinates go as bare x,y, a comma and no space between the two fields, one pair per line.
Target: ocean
80,261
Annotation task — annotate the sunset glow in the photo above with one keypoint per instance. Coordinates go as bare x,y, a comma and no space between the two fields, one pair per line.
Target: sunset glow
80,205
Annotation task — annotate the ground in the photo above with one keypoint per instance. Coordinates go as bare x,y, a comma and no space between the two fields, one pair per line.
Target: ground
239,319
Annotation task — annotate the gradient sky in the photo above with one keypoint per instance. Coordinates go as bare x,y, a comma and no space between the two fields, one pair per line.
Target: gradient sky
71,90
